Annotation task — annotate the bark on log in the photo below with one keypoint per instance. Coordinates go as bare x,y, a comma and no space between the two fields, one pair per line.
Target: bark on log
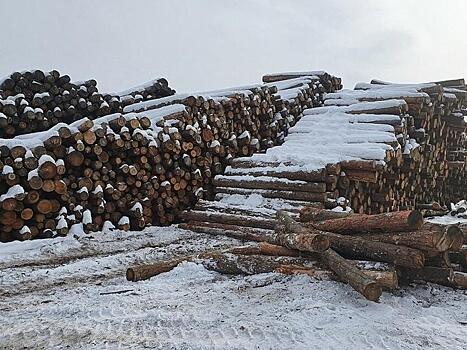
360,248
387,222
144,272
431,237
350,274
315,214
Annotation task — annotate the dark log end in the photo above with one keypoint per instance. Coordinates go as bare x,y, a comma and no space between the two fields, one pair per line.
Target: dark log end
415,219
372,291
130,275
456,237
321,243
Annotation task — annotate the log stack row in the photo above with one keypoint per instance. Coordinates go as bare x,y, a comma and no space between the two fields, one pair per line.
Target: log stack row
33,101
139,167
430,167
369,252
385,147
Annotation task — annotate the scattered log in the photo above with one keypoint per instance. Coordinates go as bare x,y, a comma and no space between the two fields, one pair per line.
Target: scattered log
350,274
361,248
144,272
309,213
387,222
431,237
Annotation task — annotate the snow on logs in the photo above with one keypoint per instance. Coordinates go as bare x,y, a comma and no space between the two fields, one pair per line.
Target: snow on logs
144,166
400,244
385,147
32,101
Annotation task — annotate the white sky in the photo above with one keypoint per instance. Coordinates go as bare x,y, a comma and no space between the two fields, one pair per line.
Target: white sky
206,44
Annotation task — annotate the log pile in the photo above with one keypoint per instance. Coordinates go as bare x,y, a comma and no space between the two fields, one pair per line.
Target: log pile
33,101
369,252
385,147
143,166
430,166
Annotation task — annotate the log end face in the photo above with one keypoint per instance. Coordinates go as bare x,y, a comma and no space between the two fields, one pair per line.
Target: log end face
456,237
130,275
321,243
372,291
415,219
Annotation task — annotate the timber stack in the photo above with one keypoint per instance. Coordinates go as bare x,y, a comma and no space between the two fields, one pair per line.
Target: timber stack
143,165
33,101
385,147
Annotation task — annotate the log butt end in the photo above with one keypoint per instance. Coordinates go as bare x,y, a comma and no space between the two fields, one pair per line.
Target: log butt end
320,243
131,275
372,291
415,219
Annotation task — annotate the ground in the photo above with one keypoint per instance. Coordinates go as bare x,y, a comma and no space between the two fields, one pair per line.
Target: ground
72,293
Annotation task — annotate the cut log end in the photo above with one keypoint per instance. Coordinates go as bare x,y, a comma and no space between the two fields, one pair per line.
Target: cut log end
372,291
415,219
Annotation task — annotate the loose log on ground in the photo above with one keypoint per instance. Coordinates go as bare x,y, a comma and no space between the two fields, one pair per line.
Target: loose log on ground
315,214
431,237
350,274
387,222
438,275
361,248
144,272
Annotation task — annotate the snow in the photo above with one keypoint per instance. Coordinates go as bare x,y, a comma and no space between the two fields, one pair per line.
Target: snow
138,88
331,137
24,230
386,85
137,207
151,104
124,221
12,192
358,107
7,170
71,292
87,216
62,223
315,73
45,158
388,93
266,179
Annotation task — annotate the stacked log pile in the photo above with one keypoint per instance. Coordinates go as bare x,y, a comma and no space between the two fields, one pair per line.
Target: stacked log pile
134,169
369,252
385,147
153,89
428,170
33,101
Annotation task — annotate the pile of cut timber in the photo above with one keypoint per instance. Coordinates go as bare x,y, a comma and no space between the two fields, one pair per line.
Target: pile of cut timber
33,101
369,252
142,166
385,147
429,165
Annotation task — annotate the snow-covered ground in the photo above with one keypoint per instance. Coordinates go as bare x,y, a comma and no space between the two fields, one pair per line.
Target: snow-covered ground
72,293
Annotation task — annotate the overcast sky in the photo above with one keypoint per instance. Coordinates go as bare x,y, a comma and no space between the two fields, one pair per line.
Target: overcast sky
206,44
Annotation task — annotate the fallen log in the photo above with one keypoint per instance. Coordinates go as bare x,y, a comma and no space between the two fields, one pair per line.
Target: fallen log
287,227
240,220
309,213
232,264
431,237
362,223
349,273
438,275
360,248
144,272
303,242
385,276
460,280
